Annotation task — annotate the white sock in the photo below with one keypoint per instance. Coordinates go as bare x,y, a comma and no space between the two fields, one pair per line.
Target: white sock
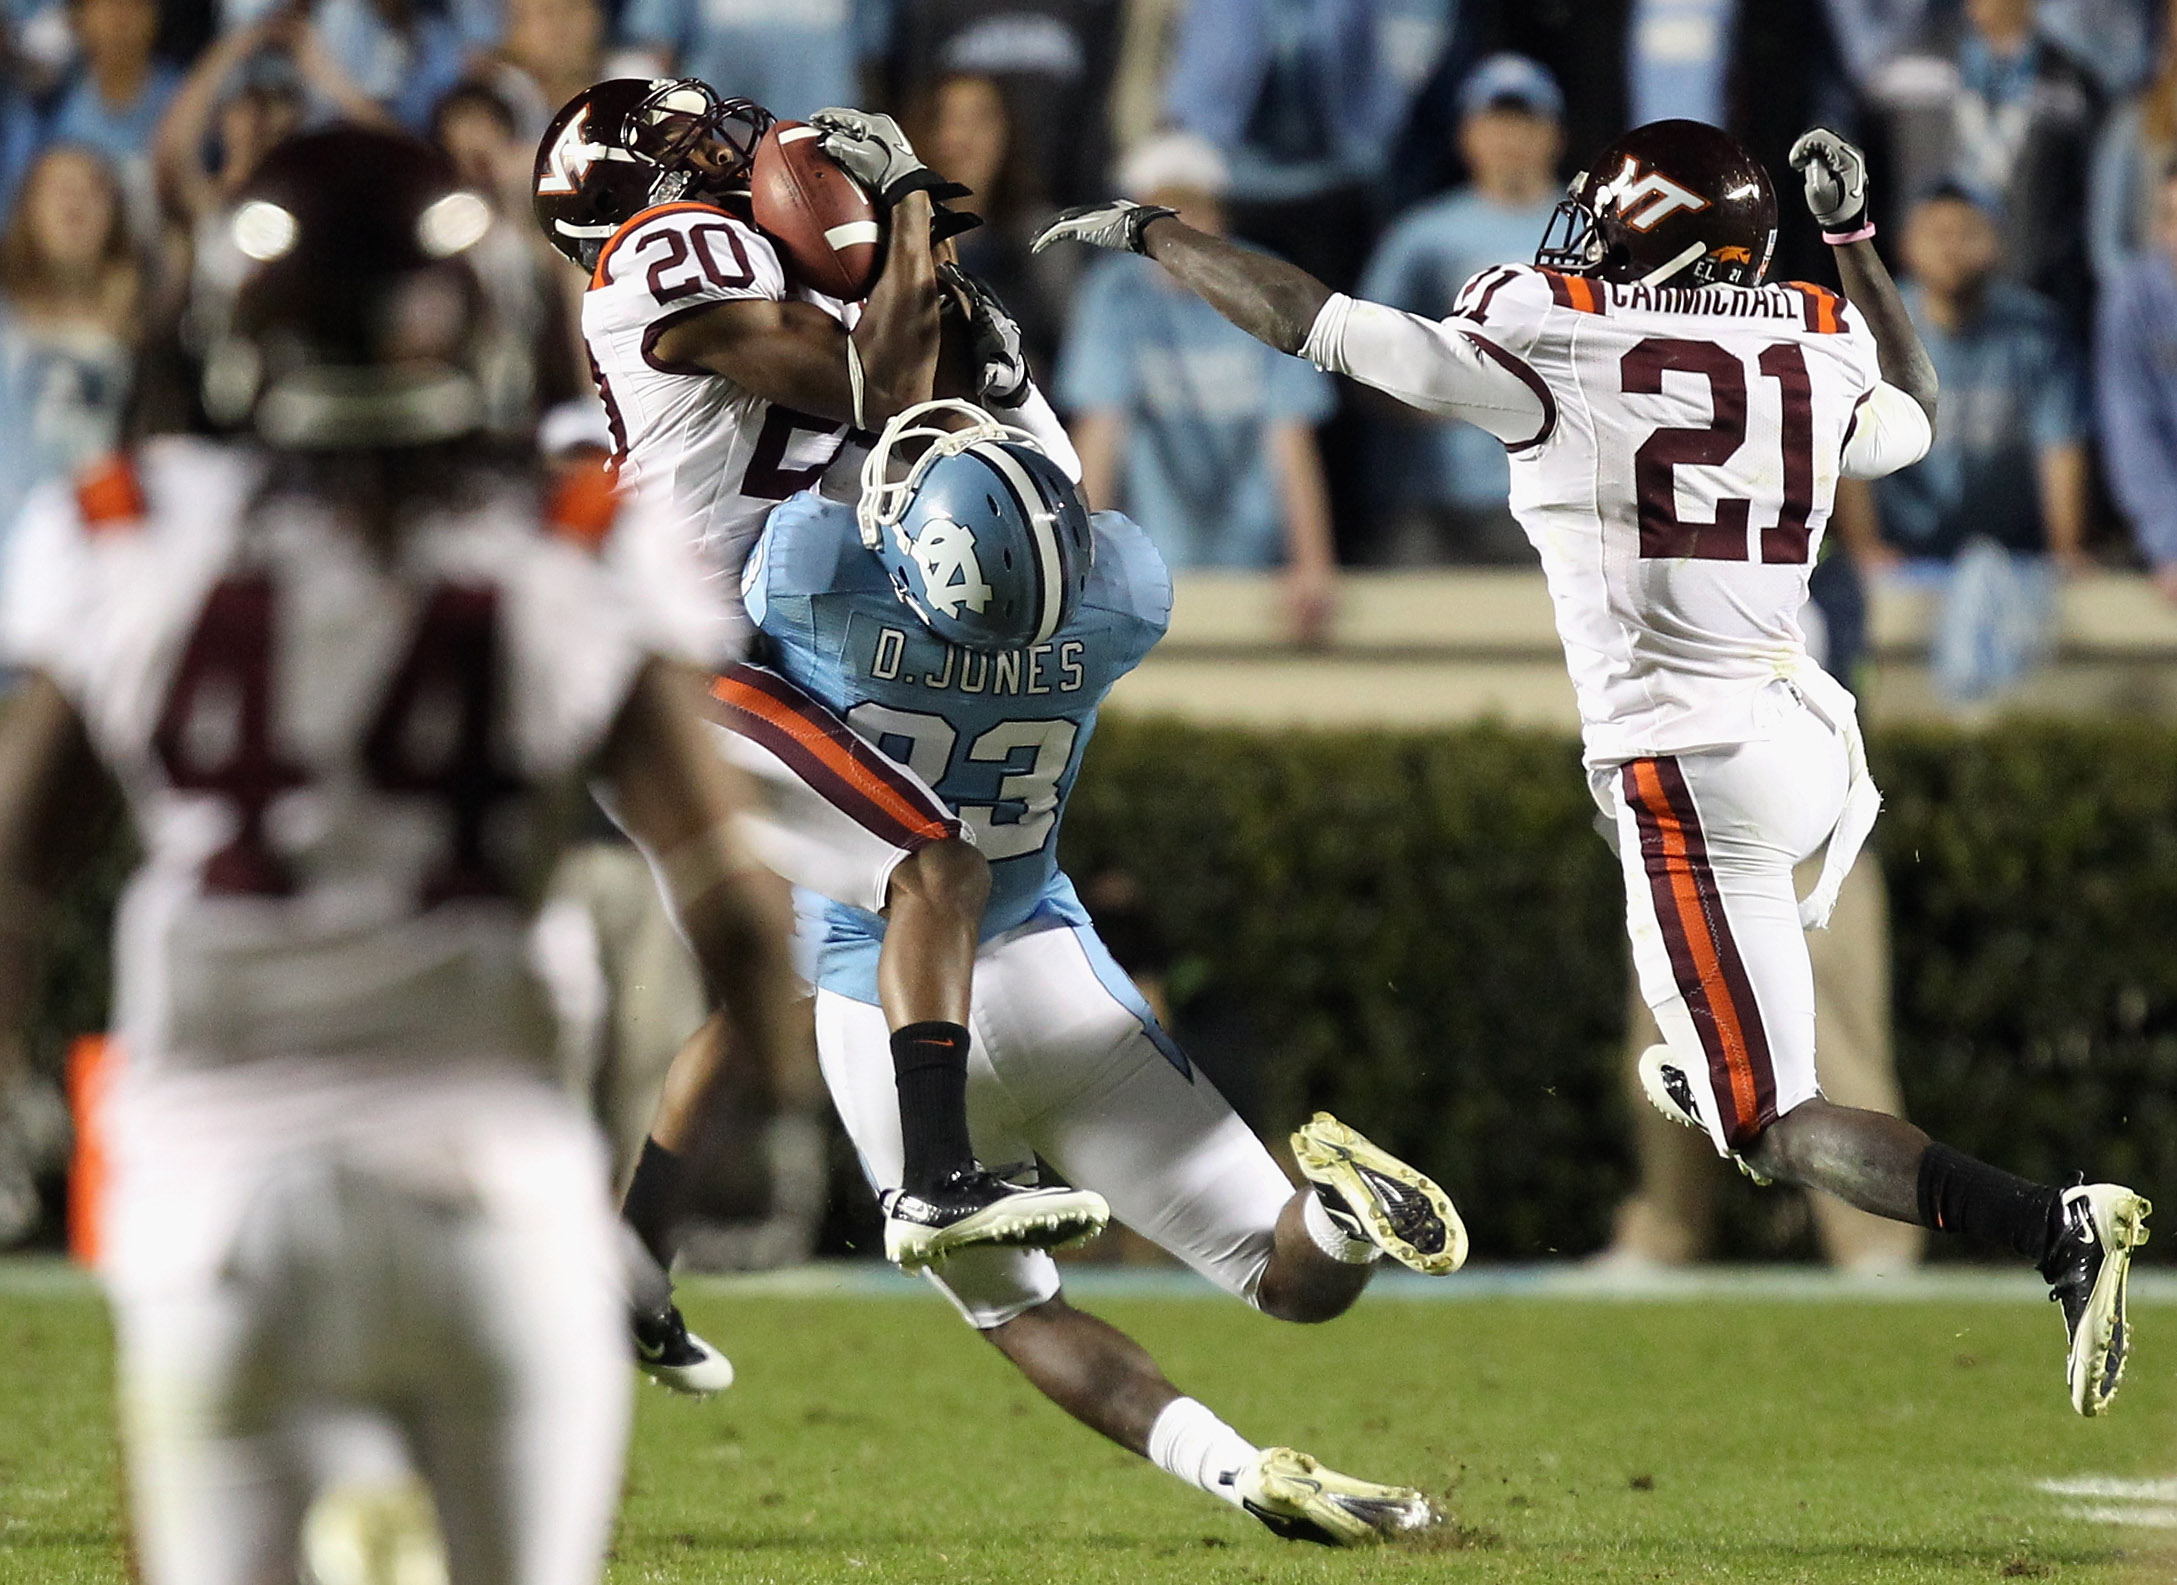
1332,1239
1192,1443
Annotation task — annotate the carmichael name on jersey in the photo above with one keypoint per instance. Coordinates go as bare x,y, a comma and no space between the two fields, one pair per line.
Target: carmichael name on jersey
1675,454
724,456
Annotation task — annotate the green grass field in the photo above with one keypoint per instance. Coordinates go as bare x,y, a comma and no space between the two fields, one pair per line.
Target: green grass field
1713,1436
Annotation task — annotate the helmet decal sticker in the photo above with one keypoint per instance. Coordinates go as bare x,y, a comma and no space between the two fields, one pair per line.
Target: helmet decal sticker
569,161
1648,201
952,577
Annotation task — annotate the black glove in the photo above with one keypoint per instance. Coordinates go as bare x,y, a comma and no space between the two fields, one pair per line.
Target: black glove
1001,368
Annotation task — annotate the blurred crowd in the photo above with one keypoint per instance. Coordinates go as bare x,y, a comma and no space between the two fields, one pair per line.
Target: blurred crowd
2026,160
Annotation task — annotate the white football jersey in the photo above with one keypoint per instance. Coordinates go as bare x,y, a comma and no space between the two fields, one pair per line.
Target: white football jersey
350,775
1675,453
723,455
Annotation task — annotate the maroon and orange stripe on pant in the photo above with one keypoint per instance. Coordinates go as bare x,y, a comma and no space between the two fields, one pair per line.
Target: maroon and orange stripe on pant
823,751
1704,959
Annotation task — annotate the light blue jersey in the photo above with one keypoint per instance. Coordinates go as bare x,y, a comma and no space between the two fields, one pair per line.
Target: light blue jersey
998,736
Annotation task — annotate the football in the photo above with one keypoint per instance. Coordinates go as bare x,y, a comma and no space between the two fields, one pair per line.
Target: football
824,222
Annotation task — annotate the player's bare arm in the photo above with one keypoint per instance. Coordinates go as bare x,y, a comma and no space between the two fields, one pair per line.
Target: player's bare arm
1406,357
796,355
1836,191
52,792
675,796
1275,302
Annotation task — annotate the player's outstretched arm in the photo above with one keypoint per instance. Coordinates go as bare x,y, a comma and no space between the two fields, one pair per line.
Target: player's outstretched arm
55,805
1836,192
1271,300
677,798
1421,364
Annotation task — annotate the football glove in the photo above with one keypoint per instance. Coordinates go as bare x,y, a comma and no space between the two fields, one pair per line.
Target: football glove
876,153
1001,368
1836,178
1118,224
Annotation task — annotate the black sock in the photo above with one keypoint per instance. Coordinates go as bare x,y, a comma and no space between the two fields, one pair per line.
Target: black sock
930,1064
652,1205
1961,1195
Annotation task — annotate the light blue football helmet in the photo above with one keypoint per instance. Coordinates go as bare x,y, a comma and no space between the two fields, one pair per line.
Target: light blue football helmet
985,538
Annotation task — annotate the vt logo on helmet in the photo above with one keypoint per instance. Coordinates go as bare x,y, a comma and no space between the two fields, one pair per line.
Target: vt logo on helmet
622,146
985,538
1672,203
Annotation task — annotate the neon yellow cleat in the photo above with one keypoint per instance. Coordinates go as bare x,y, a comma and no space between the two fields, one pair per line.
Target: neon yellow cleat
1299,1500
1376,1197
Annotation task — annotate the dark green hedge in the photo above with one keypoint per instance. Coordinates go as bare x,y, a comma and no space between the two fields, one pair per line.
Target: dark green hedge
1425,930
1428,929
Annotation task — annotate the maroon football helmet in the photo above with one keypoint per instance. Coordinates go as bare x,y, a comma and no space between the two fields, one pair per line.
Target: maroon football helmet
1676,202
621,146
340,307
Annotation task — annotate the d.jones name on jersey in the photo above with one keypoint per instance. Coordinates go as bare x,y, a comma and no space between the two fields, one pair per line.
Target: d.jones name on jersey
1008,671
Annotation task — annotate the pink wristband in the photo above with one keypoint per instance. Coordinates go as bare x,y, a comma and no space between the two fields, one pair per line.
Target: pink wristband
1838,239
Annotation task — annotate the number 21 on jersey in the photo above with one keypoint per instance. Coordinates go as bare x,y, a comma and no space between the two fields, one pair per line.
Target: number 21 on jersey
1663,534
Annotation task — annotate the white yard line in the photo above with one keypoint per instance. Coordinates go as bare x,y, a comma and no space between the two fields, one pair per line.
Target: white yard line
2115,1500
47,1276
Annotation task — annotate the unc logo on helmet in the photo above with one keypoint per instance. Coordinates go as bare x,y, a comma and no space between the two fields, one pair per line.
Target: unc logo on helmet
984,538
951,576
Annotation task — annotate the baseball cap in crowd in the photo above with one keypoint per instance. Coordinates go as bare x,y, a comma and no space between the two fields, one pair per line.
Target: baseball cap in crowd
1184,161
1511,82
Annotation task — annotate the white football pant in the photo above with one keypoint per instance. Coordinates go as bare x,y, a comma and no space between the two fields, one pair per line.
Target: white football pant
1707,843
1064,1065
430,1249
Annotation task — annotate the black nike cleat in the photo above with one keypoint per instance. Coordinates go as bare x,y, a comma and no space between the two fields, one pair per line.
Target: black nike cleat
978,1207
675,1357
2088,1274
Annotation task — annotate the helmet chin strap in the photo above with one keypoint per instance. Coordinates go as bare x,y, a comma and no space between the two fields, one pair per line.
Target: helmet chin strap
1669,268
355,409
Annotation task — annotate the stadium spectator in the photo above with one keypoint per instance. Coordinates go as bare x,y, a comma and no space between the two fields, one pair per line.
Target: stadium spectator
1442,485
1056,60
1763,71
535,362
2000,503
2114,39
2124,188
18,125
250,89
1204,434
1296,97
1987,103
70,283
792,56
964,127
119,90
1148,41
2135,371
404,54
552,50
